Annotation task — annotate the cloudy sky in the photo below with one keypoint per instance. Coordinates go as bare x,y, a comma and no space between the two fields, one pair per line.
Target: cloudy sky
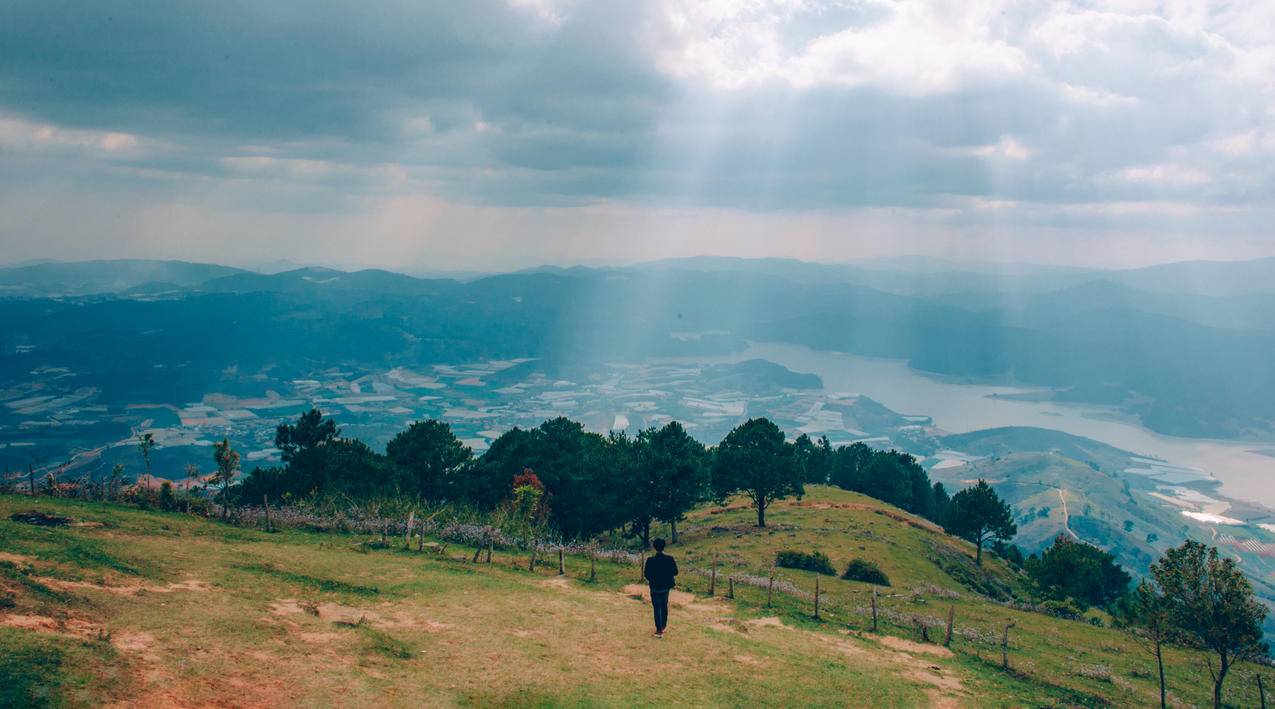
492,134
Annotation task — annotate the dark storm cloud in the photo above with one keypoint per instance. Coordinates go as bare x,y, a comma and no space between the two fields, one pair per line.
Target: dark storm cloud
786,105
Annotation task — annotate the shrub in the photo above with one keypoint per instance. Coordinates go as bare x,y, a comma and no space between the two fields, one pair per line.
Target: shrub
1063,609
865,571
815,561
167,500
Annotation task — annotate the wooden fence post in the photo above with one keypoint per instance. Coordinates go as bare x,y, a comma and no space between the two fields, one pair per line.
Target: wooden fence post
642,567
712,578
951,620
1005,647
593,567
490,543
770,588
816,597
385,528
874,610
730,587
265,502
922,629
1261,691
531,565
562,569
478,550
420,539
407,536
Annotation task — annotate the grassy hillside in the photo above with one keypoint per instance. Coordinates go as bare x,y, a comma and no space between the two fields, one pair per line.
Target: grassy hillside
1132,516
149,609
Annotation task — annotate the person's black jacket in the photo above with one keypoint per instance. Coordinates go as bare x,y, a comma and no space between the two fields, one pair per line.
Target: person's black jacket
660,572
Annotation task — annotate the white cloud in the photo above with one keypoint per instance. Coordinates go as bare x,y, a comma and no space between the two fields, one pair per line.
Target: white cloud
1161,174
906,46
28,136
1007,147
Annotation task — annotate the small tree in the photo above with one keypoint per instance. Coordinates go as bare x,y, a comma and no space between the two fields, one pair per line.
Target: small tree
227,460
1146,612
754,458
115,481
145,444
192,477
978,514
37,461
1211,601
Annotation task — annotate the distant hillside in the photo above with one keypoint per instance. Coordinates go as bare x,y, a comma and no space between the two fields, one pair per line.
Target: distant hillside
1218,278
317,281
55,278
756,376
1007,440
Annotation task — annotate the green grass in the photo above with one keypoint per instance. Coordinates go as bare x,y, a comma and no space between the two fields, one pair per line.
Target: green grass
37,671
384,644
425,629
323,585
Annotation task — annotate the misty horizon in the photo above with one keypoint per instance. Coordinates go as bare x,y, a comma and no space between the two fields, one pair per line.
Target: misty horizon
904,262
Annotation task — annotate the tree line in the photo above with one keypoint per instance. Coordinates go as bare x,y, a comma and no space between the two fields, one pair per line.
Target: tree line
592,482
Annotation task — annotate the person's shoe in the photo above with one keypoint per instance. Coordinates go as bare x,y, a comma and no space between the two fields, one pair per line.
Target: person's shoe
659,634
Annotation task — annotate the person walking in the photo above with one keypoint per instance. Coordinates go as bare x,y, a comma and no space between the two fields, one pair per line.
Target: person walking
661,574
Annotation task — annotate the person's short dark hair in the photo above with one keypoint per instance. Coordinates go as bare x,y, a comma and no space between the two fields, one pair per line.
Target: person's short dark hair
658,544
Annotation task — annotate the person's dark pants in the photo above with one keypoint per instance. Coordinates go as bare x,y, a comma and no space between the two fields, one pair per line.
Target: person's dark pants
659,602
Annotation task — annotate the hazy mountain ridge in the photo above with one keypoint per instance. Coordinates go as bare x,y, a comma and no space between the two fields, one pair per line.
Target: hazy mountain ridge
104,276
1186,364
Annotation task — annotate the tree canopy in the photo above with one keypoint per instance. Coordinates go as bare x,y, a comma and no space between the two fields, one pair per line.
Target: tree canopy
1211,601
429,459
978,514
891,476
672,475
1079,571
755,459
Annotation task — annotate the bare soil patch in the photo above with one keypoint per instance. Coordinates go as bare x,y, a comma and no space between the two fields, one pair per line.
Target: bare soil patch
905,645
130,589
380,618
133,642
768,622
70,627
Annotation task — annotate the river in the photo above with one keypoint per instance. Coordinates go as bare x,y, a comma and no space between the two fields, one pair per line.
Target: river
955,407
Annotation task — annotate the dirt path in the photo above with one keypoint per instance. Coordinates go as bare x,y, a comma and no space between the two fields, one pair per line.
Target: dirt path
1066,515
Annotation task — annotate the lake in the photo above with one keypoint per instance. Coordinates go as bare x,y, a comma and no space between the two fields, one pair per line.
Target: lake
959,408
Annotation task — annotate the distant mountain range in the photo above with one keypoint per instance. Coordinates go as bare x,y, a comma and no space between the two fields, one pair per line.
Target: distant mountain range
55,278
1185,347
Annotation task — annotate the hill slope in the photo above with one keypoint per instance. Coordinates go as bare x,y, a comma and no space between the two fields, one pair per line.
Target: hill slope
151,609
